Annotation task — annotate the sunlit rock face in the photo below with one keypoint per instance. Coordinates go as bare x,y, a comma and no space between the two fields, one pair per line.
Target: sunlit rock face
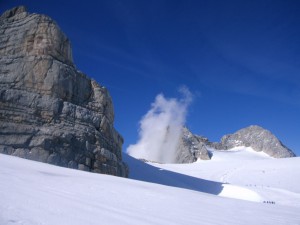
49,111
260,139
192,147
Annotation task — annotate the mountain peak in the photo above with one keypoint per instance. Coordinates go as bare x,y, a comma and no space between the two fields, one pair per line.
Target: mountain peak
192,147
14,11
259,139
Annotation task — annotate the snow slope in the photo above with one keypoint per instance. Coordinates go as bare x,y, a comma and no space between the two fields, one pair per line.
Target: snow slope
36,193
242,169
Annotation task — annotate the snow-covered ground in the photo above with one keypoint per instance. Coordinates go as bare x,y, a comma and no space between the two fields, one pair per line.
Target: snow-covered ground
248,175
36,193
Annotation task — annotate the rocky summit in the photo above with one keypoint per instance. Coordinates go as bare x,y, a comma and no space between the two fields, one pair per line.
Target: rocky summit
259,139
192,147
49,111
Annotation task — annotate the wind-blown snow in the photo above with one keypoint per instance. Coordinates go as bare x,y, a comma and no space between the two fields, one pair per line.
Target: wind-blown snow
160,128
36,193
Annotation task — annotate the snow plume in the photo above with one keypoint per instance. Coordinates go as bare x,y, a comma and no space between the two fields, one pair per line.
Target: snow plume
160,128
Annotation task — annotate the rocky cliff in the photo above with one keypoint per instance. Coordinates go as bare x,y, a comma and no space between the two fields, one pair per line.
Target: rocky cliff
49,111
192,147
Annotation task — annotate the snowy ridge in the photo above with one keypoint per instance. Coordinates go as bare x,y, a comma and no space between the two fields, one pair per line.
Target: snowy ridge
36,193
237,153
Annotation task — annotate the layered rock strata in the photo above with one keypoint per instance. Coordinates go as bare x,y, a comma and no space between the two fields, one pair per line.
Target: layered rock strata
49,111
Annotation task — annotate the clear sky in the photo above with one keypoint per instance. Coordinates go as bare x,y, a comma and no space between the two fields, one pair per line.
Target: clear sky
240,59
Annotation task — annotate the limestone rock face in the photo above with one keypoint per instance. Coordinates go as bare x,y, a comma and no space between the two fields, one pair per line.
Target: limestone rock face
259,139
191,148
49,111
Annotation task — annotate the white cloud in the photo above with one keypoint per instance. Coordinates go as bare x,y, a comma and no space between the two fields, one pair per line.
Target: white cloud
160,128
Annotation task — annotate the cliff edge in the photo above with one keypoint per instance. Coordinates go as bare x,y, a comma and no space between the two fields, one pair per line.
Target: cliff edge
50,111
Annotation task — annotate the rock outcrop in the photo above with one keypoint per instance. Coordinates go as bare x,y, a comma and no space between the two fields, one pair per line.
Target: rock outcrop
193,147
49,111
259,139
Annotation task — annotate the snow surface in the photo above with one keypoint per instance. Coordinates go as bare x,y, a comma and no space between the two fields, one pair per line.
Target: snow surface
247,174
36,193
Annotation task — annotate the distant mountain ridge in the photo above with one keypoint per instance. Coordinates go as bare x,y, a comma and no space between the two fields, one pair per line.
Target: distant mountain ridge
192,147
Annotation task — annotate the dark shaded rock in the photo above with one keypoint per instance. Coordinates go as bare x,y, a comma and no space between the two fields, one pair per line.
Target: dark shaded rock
49,111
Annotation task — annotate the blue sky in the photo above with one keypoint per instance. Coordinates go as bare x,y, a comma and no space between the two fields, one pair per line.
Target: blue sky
240,59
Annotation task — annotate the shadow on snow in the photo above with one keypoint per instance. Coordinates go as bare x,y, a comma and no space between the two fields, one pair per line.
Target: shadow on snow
145,172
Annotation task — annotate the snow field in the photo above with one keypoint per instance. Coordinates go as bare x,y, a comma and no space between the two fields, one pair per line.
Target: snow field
36,193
